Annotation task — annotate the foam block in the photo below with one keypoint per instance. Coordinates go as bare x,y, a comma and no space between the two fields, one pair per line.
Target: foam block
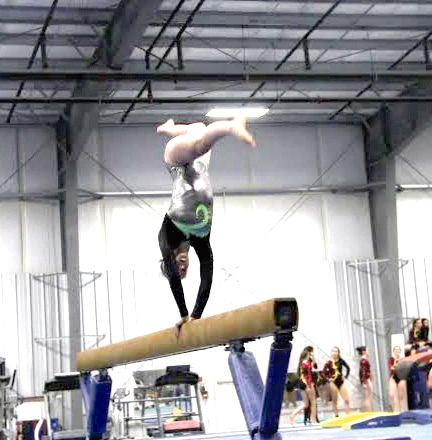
337,422
378,420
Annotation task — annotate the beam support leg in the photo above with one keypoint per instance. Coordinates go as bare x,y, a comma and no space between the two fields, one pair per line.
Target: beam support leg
96,391
248,384
280,353
261,405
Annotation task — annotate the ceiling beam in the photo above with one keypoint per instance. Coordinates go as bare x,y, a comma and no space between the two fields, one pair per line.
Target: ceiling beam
226,65
117,75
302,20
122,35
154,101
191,42
40,43
405,122
52,88
64,15
376,2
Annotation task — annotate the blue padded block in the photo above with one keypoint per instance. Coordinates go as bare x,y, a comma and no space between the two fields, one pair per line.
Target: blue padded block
249,386
96,392
378,422
420,416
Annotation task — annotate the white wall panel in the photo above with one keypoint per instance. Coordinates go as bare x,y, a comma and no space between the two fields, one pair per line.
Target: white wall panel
8,160
415,278
286,156
417,168
11,238
135,156
34,317
92,239
348,229
414,211
30,231
131,231
9,323
251,236
38,147
414,208
343,147
231,165
41,247
10,225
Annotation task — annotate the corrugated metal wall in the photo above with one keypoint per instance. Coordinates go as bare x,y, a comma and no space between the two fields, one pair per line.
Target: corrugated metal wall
34,316
362,319
416,290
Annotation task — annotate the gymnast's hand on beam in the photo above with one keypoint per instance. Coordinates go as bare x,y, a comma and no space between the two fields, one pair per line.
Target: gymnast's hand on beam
179,324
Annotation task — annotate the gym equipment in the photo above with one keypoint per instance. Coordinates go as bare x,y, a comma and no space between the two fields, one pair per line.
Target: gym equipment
261,403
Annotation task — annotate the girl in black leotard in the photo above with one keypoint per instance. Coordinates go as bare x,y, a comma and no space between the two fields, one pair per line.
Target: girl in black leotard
397,388
189,217
333,369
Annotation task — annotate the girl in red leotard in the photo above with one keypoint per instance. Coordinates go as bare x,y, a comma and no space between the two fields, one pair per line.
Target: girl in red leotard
306,386
365,379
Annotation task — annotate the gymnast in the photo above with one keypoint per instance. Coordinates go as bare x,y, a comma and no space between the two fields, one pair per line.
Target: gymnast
365,377
306,386
397,388
333,371
189,217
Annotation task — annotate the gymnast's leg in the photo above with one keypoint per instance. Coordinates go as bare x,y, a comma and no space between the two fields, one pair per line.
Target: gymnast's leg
199,139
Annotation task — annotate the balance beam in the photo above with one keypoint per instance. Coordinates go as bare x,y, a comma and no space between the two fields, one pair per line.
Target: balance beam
250,322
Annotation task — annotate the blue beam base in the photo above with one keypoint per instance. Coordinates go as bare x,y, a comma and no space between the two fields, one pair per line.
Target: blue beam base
419,416
280,352
275,436
261,405
96,392
249,386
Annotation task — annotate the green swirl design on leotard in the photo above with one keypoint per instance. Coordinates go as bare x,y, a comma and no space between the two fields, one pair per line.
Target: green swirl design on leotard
196,229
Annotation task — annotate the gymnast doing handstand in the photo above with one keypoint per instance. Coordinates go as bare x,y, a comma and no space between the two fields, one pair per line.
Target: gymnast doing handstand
189,217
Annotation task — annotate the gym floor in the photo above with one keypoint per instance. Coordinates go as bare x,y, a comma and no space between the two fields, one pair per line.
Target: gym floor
406,431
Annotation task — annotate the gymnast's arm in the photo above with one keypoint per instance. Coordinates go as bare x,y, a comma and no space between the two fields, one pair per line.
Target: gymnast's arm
205,256
348,369
173,277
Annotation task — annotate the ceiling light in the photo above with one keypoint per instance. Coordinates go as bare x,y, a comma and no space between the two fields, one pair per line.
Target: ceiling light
247,112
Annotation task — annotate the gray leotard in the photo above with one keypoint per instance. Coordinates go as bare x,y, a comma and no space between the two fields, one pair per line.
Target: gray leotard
191,208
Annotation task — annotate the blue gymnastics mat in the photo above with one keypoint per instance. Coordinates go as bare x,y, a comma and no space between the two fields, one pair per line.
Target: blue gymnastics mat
403,432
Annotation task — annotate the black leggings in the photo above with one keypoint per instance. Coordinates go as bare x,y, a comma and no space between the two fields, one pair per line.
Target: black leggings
170,237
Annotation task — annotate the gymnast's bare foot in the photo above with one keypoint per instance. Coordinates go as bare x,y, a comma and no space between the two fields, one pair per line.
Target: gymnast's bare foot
240,131
179,325
165,127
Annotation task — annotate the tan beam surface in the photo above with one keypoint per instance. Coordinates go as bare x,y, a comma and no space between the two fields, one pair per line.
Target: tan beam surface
253,321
